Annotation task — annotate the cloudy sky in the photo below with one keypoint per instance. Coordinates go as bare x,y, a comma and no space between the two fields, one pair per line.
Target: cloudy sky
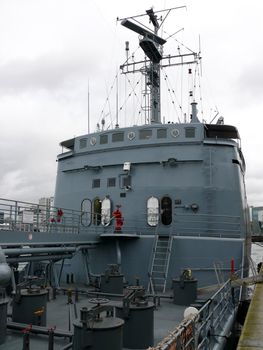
52,52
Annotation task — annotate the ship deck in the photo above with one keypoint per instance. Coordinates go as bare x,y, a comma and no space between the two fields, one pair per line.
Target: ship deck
167,316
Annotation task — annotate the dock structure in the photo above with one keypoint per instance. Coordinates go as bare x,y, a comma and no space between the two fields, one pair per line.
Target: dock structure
252,335
256,238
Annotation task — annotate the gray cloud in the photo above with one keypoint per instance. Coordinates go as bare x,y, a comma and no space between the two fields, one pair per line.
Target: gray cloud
249,83
46,72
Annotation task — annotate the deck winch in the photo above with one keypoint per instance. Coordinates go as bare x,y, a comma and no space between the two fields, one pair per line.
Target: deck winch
137,312
96,328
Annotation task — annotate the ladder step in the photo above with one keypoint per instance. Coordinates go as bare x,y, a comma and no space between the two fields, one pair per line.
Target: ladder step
158,274
159,260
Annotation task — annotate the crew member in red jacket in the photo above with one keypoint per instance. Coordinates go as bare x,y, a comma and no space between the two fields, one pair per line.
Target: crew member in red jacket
117,214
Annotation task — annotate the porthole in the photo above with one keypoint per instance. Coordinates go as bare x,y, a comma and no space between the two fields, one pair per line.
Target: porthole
175,132
93,141
131,135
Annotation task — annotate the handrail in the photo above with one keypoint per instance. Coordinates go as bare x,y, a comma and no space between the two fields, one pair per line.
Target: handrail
25,216
201,331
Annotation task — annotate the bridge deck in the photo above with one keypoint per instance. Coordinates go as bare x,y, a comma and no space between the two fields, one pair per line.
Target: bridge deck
252,334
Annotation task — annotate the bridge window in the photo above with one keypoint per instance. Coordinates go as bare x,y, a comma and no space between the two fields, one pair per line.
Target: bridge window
189,132
152,211
96,211
103,139
86,212
82,143
117,137
166,210
145,134
161,133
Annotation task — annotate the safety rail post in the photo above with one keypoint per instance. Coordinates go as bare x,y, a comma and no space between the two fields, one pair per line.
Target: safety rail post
37,221
16,212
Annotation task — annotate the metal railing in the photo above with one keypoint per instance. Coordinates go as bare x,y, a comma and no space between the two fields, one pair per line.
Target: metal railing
208,327
30,217
25,216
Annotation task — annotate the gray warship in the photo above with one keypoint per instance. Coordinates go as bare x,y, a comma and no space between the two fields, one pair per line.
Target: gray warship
149,223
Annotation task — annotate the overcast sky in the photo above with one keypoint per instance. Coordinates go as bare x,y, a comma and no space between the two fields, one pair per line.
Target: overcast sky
52,50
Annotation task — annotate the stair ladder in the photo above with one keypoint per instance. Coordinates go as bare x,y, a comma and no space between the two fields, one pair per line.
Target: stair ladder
160,263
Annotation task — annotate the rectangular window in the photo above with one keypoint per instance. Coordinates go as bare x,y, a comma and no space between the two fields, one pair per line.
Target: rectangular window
117,137
126,181
161,133
96,183
82,143
111,182
103,139
145,134
189,132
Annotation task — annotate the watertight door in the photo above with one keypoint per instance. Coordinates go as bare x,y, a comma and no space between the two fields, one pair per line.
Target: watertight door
105,212
152,211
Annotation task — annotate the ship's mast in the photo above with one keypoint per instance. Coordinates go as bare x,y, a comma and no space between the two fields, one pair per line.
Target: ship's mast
152,45
153,78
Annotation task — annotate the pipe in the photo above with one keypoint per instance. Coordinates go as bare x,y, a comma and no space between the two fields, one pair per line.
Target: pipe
38,329
69,346
84,292
5,270
33,250
18,251
39,258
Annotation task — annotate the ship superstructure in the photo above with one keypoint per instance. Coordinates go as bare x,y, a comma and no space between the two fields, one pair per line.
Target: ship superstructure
183,181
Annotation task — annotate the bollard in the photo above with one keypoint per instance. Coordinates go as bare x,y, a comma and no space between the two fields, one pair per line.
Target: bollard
69,292
54,293
76,295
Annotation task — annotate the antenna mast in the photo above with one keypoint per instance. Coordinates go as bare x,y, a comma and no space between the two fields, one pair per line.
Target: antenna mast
152,45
